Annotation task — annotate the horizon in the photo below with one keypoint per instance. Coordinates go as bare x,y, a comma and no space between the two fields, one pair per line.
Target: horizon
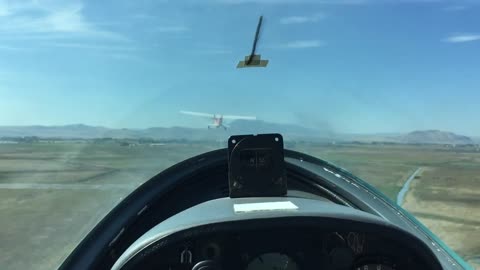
221,130
350,67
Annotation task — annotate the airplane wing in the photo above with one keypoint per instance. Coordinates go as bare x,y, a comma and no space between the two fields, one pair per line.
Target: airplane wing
239,117
198,114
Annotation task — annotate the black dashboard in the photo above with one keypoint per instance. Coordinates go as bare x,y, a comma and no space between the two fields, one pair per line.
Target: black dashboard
287,249
313,235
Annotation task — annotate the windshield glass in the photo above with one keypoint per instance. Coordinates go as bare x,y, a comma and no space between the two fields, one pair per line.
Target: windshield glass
99,96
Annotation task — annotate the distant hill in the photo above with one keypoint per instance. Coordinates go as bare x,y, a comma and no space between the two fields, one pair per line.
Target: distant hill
80,131
67,131
289,131
435,137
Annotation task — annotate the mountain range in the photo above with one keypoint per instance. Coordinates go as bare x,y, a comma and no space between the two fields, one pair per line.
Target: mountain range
81,131
436,136
289,131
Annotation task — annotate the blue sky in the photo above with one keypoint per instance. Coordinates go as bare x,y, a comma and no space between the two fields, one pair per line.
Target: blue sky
361,66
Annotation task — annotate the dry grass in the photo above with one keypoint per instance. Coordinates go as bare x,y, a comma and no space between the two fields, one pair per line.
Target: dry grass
41,227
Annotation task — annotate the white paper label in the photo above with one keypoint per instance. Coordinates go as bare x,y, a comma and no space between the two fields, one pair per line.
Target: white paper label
264,206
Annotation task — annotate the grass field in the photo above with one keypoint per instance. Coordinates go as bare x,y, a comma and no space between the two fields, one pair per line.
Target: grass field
50,194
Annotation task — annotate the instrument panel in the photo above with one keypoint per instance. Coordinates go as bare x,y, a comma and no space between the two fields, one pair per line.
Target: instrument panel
283,250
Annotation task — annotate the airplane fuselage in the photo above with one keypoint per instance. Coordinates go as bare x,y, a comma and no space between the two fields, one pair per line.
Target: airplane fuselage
217,122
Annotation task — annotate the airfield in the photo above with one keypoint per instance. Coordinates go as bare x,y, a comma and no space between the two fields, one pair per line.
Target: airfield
53,194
